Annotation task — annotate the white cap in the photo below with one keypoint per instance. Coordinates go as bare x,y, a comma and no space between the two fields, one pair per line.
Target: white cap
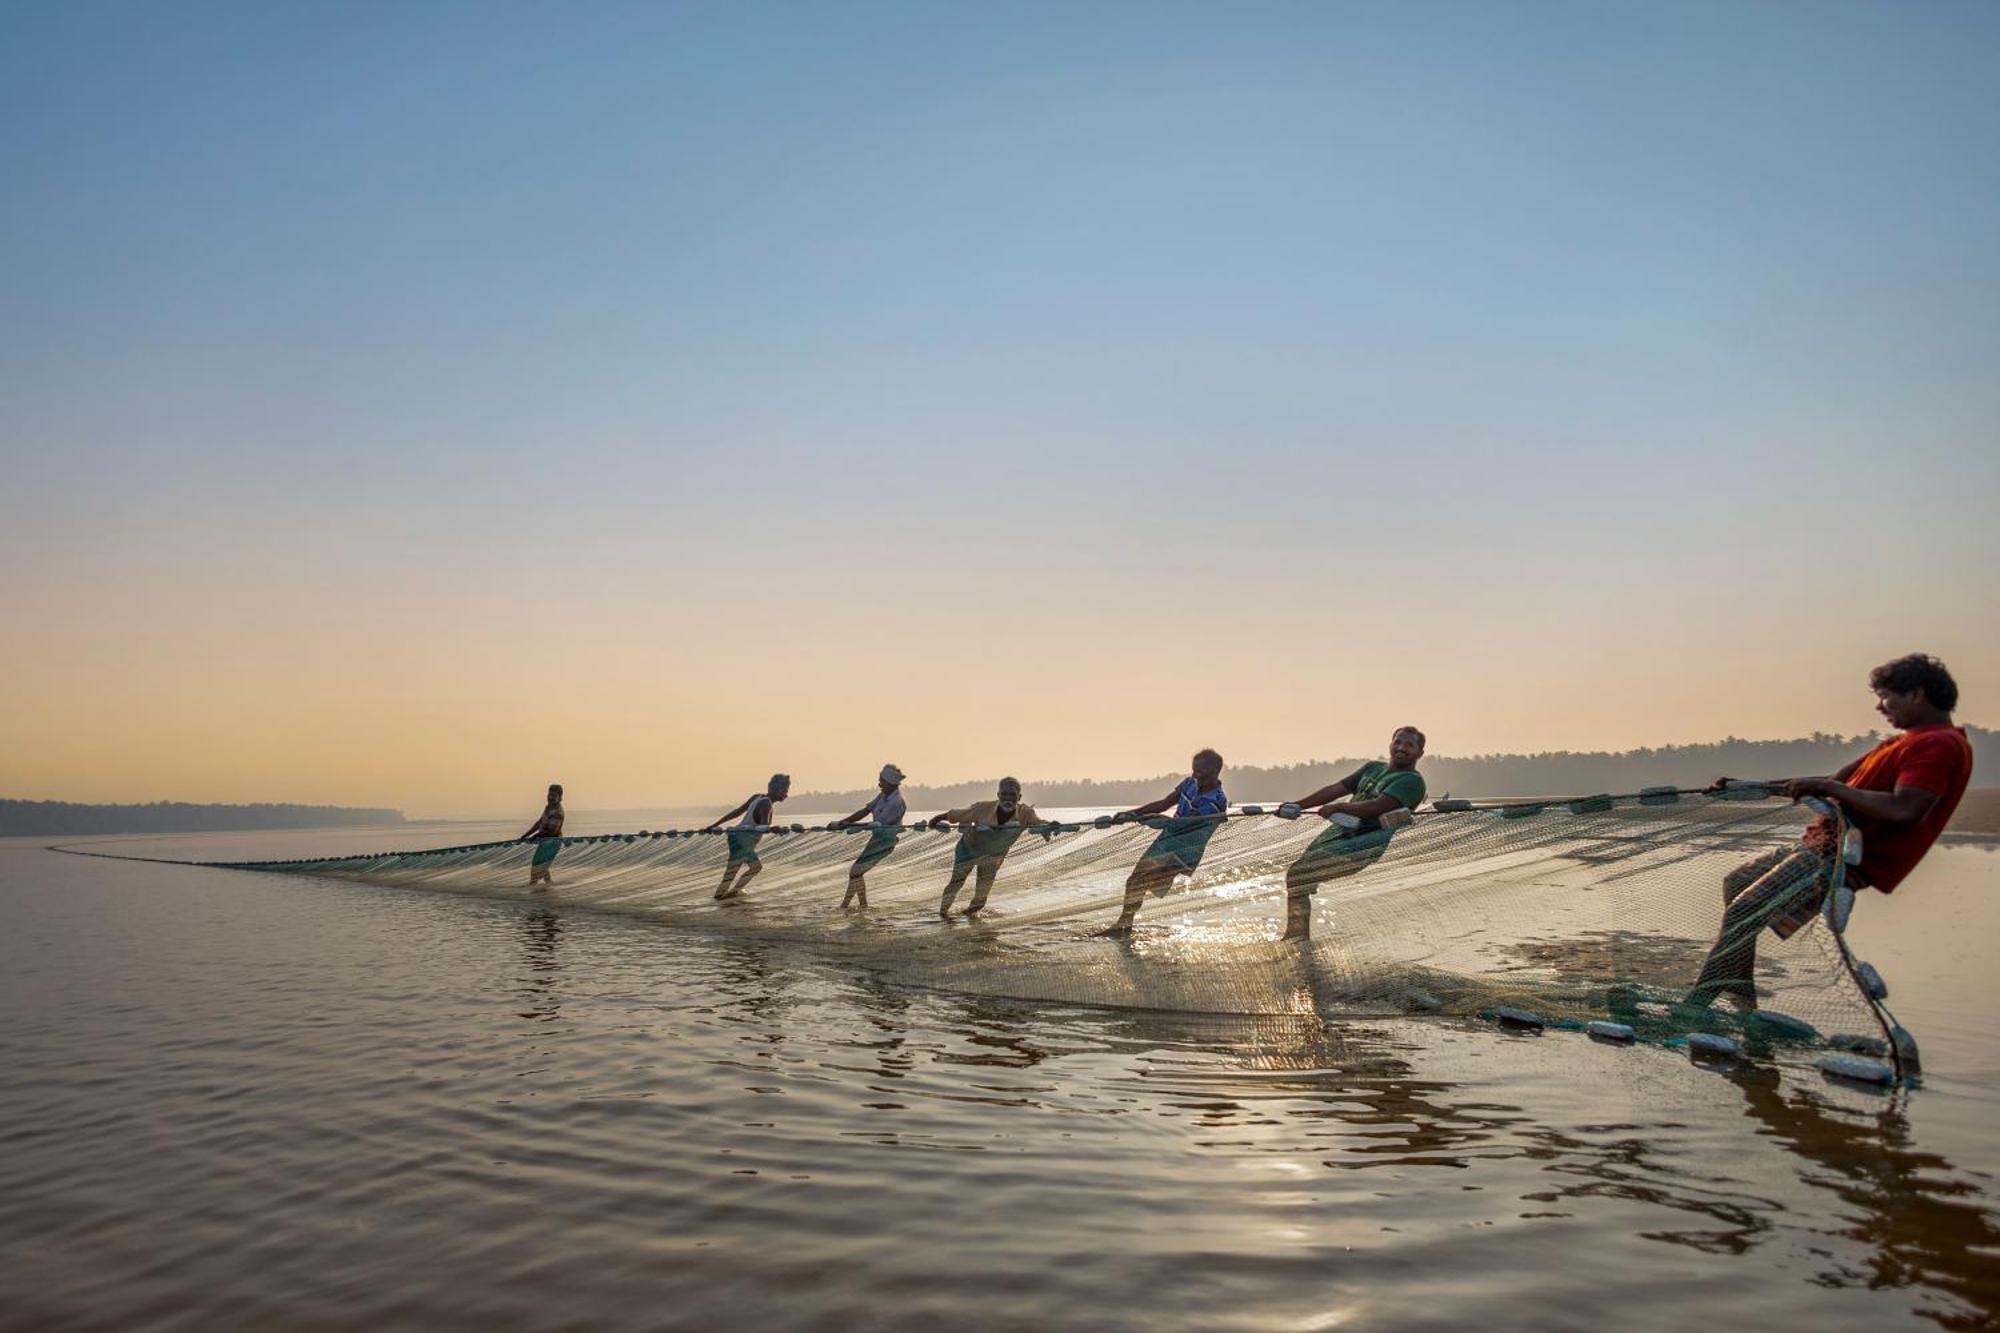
891,774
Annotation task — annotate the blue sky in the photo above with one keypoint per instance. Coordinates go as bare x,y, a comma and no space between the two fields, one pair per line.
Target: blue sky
1630,335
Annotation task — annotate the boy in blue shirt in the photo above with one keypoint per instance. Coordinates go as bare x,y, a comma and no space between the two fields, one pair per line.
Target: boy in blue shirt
1198,805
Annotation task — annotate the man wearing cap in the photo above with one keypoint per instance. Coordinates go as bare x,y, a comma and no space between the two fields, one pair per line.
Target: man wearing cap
1354,808
885,813
757,812
996,825
546,834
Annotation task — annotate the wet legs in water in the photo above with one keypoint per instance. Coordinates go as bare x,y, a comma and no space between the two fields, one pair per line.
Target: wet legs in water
1298,911
1782,891
987,871
1146,877
1302,881
881,845
736,877
545,855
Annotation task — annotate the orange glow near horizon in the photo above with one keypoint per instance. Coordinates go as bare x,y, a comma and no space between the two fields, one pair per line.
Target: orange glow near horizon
470,711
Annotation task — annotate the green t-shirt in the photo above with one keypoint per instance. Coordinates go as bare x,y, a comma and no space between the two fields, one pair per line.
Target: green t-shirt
1378,779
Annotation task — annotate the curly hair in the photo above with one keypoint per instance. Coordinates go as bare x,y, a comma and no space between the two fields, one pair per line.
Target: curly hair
1918,671
1422,741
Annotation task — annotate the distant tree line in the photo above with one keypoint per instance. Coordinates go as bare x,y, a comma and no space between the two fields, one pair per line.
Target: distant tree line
1555,773
45,818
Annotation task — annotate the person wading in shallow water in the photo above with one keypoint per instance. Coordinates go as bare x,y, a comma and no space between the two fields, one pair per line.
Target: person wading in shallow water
996,826
757,812
1198,805
886,813
1356,838
1900,795
547,835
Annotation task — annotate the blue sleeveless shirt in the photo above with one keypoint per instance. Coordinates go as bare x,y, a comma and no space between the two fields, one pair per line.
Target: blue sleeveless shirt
1195,801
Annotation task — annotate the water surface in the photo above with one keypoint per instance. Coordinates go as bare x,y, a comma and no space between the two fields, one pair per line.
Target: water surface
253,1100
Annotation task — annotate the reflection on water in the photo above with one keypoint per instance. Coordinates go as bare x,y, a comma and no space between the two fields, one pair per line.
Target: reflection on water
541,931
1922,1222
282,1102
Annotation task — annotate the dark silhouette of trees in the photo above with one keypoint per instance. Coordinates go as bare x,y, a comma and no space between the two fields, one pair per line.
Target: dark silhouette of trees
1554,773
45,818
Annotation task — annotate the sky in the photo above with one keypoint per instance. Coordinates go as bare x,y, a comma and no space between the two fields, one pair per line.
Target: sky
413,404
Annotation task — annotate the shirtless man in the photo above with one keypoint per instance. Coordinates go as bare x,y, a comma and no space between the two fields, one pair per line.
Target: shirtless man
996,826
546,834
1356,838
757,811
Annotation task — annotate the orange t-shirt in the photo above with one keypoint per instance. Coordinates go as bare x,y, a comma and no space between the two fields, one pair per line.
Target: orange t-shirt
1936,759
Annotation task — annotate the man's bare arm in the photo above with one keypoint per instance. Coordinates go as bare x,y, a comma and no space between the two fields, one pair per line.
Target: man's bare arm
1368,809
1784,784
1331,792
1165,803
1899,808
731,815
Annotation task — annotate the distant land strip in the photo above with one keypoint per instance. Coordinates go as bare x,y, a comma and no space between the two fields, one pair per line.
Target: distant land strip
43,818
1485,776
1480,776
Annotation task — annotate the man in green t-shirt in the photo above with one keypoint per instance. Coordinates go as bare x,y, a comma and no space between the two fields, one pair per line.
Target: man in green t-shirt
1357,837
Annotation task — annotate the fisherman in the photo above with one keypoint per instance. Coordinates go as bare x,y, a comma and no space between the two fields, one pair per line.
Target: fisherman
885,813
546,834
1900,795
1356,837
757,813
1199,806
996,825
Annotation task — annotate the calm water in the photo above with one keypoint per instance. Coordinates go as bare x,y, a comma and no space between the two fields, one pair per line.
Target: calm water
240,1100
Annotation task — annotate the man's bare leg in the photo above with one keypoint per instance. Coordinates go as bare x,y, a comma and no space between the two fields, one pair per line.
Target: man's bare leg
736,879
984,886
1298,916
857,887
1299,888
1144,877
1786,883
958,875
1731,966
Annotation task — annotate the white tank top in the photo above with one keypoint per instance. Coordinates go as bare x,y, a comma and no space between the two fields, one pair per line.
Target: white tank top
749,819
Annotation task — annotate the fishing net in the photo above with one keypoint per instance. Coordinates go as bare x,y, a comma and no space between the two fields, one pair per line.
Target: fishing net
1602,908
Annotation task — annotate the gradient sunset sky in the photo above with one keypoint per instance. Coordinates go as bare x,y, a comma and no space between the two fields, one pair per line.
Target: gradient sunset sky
411,404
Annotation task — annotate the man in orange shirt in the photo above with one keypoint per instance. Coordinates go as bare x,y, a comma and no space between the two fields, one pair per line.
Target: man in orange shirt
1900,795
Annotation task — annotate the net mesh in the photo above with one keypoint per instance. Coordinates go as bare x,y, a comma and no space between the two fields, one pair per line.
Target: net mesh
1602,908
